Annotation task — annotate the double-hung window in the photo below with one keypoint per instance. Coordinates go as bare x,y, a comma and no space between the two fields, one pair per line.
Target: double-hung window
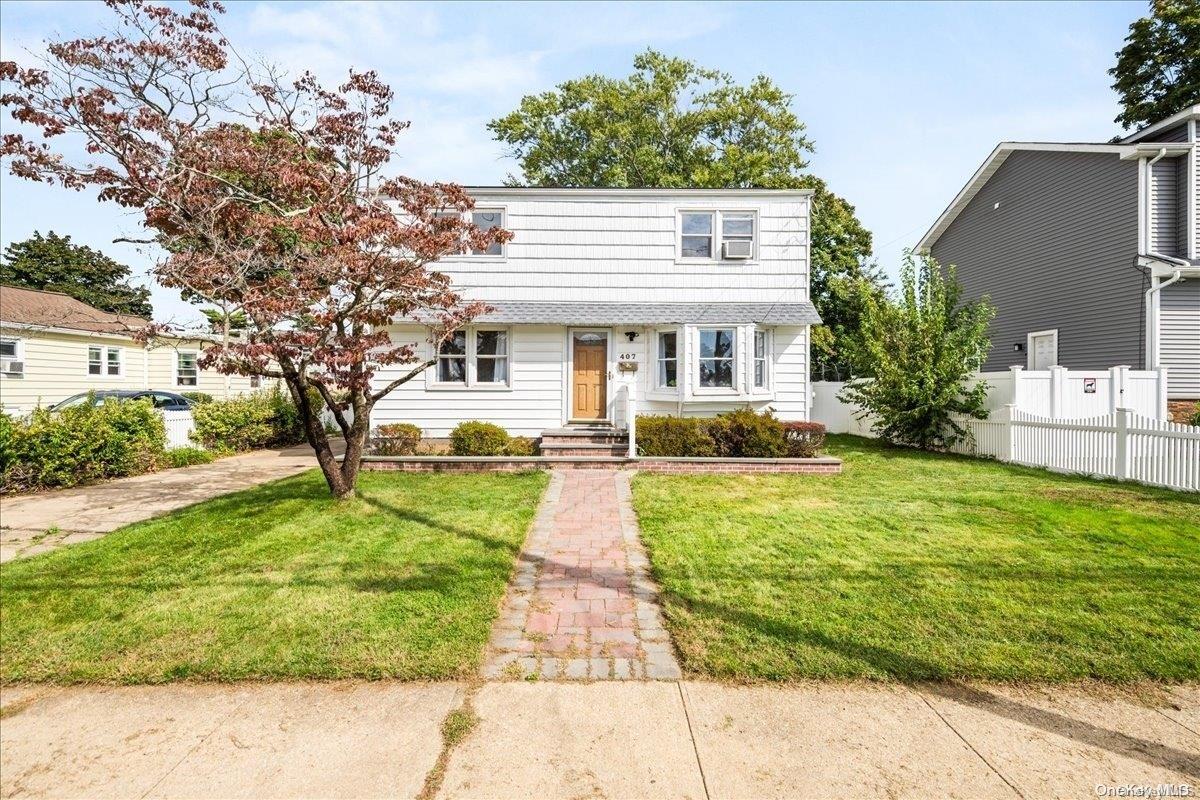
452,359
486,219
668,360
696,239
10,358
187,368
717,235
760,359
491,356
104,361
475,357
717,357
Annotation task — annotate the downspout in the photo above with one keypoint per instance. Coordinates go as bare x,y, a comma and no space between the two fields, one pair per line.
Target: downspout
1151,317
1152,332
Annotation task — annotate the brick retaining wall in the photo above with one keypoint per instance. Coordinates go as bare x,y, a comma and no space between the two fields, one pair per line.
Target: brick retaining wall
817,466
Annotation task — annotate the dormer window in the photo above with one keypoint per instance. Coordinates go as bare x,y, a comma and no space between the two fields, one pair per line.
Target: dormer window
717,235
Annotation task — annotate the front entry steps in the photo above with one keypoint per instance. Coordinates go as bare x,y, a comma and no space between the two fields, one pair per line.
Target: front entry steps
585,439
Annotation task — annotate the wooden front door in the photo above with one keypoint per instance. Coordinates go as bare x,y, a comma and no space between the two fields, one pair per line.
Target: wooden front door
589,379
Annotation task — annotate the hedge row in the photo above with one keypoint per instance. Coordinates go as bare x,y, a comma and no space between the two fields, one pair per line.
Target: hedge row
737,434
250,422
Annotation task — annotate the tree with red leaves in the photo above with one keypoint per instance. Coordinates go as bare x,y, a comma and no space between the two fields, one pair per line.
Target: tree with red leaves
269,198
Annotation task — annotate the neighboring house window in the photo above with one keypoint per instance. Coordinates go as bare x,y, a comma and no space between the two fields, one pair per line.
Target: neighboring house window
760,359
255,381
668,360
10,358
716,357
696,237
491,356
187,372
737,227
452,359
486,219
104,361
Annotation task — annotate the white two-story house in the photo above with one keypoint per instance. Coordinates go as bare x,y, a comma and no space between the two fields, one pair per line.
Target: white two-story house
687,302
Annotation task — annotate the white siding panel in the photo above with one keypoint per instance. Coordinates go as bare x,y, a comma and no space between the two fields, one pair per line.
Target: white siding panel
791,373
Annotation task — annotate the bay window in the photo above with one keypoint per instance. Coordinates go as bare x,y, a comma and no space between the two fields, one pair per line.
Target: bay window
668,360
760,359
717,357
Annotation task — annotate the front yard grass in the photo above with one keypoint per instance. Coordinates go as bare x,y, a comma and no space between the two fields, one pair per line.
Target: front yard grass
913,566
278,582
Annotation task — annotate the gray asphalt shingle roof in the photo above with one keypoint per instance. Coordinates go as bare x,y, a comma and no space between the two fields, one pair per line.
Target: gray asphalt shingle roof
652,313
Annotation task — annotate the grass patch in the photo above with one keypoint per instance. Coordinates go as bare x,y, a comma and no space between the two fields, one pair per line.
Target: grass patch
278,582
920,566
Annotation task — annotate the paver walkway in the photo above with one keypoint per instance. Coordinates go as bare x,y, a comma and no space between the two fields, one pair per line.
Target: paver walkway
37,523
582,605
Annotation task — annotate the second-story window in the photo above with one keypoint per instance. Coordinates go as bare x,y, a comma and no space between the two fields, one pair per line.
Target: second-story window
486,219
697,234
737,234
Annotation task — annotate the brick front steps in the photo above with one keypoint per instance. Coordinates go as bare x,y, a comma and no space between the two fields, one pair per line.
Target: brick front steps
585,440
819,466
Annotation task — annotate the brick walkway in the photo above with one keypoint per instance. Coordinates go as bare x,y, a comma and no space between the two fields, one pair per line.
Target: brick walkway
581,605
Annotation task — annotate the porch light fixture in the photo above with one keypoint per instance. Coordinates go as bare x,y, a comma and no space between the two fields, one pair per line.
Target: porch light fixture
1018,347
631,335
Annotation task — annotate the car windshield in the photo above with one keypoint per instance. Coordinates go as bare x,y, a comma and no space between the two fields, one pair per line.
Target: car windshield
71,402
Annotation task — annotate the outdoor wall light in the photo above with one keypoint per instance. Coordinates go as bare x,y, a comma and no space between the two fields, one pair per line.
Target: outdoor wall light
631,335
1019,347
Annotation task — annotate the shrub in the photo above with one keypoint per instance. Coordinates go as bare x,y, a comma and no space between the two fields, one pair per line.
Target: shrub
746,434
521,447
804,439
1195,418
199,398
7,434
396,439
249,422
186,457
674,437
80,444
476,438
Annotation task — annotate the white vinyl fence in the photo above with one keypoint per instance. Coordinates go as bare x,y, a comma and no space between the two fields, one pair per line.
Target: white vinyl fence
1059,393
1121,445
1118,443
178,424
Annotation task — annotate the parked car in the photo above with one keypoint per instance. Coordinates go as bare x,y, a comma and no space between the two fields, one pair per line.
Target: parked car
164,401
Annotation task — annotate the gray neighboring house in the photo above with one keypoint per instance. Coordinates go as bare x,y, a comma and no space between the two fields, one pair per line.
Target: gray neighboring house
1090,252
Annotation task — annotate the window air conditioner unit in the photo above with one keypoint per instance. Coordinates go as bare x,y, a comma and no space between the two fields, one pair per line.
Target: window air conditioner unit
12,367
737,249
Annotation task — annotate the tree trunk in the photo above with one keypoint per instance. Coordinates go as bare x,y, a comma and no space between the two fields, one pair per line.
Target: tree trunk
341,477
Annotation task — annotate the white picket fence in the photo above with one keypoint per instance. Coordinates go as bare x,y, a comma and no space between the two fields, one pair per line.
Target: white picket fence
1122,445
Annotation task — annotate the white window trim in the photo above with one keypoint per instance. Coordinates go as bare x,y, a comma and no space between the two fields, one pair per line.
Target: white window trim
472,382
175,370
104,373
1029,351
716,257
18,355
696,358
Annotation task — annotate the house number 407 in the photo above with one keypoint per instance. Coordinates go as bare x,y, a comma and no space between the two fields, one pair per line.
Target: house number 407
628,357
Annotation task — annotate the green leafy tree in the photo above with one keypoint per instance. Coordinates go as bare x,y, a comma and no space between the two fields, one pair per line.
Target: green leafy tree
1158,70
672,123
52,263
914,354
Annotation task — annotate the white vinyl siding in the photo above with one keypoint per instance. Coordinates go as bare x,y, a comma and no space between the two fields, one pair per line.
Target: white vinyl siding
597,250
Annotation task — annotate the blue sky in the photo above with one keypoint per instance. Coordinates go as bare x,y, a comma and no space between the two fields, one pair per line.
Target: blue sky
902,100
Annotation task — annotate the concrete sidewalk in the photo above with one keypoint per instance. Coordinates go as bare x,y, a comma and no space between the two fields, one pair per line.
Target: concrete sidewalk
570,740
37,523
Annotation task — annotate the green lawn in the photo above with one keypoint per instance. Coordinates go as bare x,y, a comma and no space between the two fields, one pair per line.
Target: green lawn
915,566
277,582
